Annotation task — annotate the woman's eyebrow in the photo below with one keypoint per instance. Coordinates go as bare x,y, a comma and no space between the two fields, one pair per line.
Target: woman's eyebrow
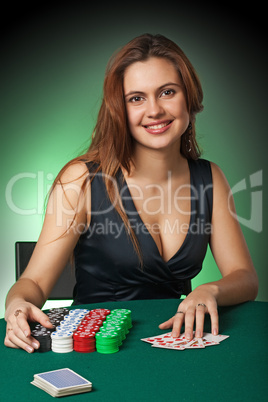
161,87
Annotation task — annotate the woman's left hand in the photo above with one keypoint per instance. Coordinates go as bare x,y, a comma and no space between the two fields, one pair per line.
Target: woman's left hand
192,310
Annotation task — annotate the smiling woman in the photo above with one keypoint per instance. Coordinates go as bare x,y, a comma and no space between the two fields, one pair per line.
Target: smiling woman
140,207
160,108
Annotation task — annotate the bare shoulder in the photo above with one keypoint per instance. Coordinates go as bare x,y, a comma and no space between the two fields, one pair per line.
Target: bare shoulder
221,188
71,188
223,202
74,172
218,176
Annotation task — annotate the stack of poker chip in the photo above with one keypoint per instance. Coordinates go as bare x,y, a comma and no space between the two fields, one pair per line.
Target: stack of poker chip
83,330
124,314
62,338
84,338
107,341
62,342
43,334
114,331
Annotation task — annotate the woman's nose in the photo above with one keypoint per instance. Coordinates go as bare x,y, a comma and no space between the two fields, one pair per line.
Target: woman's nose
154,108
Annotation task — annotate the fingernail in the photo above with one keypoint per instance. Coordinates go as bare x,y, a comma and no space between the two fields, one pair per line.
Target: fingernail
188,335
215,332
35,345
26,334
198,334
29,349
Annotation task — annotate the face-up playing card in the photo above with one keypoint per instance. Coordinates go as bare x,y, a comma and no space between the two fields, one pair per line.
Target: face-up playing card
165,338
196,343
166,341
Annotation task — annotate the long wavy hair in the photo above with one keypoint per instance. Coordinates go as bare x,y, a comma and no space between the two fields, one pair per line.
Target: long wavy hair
111,146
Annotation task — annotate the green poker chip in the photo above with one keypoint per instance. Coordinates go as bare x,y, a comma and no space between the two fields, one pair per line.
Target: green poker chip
107,341
113,331
124,312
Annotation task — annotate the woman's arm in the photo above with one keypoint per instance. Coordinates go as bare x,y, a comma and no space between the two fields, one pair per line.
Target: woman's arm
53,249
239,281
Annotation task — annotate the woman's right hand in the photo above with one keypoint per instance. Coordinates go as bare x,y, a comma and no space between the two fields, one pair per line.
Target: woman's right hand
18,332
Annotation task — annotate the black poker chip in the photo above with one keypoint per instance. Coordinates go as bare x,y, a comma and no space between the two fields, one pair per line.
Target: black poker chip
43,334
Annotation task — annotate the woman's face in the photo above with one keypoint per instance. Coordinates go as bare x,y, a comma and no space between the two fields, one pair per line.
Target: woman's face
156,106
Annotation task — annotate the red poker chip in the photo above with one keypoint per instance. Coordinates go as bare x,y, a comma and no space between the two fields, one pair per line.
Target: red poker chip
90,328
84,347
85,339
88,325
83,335
85,342
96,320
97,316
81,345
100,310
84,350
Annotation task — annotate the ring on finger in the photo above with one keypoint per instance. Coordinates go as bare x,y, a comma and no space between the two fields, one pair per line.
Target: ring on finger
180,312
202,304
17,312
9,329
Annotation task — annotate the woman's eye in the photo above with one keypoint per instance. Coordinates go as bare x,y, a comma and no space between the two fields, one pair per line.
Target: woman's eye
135,99
168,92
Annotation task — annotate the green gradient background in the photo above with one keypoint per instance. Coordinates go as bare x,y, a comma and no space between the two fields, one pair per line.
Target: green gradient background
52,69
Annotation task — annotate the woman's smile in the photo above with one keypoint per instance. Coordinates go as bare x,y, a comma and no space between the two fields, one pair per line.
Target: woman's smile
158,127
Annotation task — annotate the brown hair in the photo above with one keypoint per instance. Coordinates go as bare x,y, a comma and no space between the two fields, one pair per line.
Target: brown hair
111,146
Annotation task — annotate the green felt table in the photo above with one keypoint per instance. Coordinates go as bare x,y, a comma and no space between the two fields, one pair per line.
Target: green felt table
234,370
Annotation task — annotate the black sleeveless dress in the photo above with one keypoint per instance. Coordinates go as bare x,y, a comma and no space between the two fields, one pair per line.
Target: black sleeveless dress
106,264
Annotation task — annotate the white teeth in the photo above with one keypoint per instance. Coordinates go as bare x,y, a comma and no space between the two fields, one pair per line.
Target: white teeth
158,126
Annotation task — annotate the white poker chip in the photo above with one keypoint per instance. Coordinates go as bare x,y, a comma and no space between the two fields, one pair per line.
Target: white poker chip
78,311
69,328
58,350
63,347
61,335
62,342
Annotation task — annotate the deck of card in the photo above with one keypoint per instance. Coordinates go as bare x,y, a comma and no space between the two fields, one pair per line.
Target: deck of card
61,382
166,341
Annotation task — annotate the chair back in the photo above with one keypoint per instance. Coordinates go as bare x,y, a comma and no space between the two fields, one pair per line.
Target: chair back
63,289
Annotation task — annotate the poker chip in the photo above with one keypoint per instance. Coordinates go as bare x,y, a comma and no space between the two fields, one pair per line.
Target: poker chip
117,328
83,330
117,321
62,338
62,341
107,341
124,312
84,340
43,336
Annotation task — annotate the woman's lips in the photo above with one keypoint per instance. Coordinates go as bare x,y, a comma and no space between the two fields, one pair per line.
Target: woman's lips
158,128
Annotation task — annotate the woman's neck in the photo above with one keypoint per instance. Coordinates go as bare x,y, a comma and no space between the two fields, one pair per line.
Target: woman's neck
153,165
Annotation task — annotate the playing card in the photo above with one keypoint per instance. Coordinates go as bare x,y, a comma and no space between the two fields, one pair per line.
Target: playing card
166,341
61,382
157,338
196,343
169,346
165,338
215,338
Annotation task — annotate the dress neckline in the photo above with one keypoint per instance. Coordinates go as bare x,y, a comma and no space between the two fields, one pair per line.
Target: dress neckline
137,216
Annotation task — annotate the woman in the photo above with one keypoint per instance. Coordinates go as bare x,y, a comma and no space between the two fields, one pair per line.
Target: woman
140,207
